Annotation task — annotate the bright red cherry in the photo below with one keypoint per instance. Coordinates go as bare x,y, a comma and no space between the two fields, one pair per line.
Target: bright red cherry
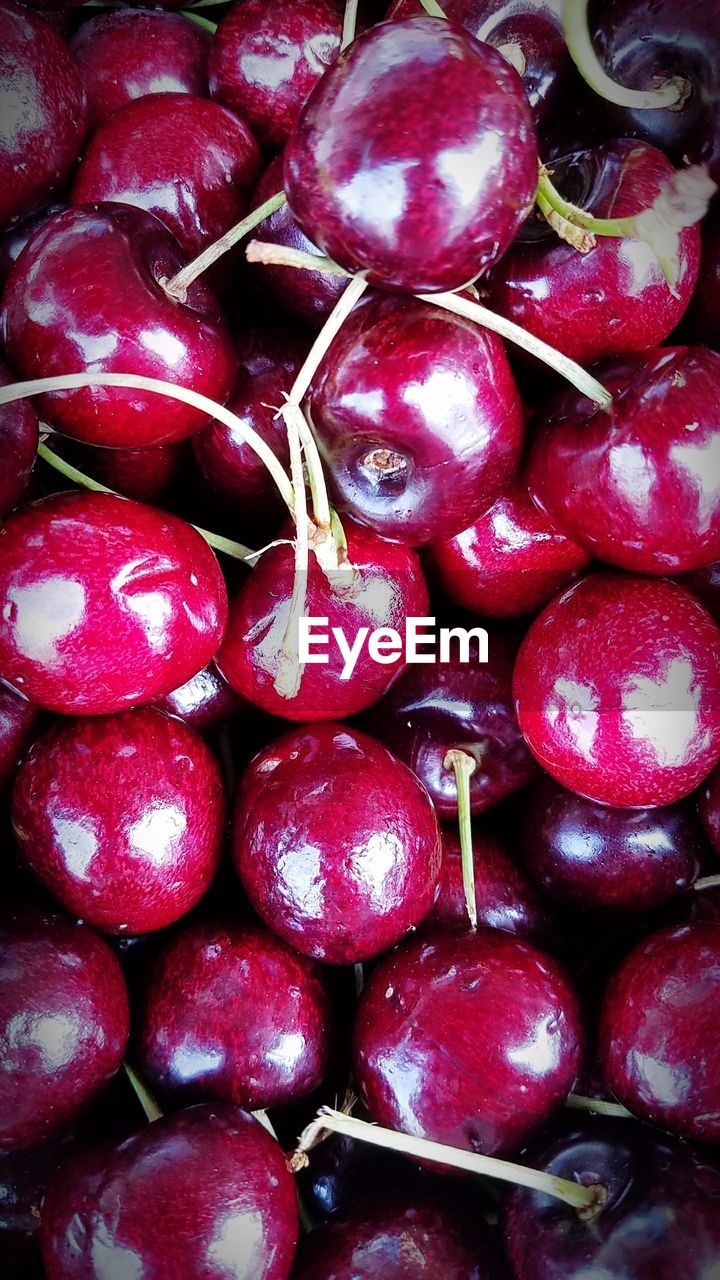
472,1041
64,1022
108,603
617,690
504,897
386,178
19,436
709,804
336,843
126,323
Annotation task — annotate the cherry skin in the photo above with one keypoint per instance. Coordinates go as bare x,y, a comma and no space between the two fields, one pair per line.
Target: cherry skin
204,702
589,856
614,298
18,723
130,53
504,897
656,1031
336,843
13,241
424,1013
703,318
705,585
126,323
417,418
266,58
709,806
135,473
189,161
388,587
660,1219
64,1022
455,705
43,122
231,1012
111,603
510,562
384,178
121,818
19,437
617,690
225,1185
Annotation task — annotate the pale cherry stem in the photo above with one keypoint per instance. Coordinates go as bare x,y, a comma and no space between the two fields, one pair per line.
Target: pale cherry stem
671,94
278,255
263,1118
576,1102
464,766
142,1093
289,672
349,23
433,9
178,286
707,882
512,53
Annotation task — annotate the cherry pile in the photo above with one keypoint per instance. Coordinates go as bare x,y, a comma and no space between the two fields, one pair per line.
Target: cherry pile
332,963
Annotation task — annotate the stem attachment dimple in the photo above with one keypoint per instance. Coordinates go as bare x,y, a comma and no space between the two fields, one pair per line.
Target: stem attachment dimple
670,95
178,286
464,766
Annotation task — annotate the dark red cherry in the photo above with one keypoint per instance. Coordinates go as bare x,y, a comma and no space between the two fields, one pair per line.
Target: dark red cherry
511,561
656,1035
635,483
703,318
13,241
388,587
126,323
417,418
231,1012
384,177
130,53
64,1023
705,585
617,690
135,473
504,897
660,1219
266,58
224,1208
473,1041
205,701
42,124
614,298
18,722
187,160
121,818
108,603
455,705
18,446
709,805
593,857
336,843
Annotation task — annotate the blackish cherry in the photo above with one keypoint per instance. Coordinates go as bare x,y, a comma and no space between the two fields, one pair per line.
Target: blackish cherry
18,724
504,896
204,702
703,317
143,474
709,806
13,241
19,437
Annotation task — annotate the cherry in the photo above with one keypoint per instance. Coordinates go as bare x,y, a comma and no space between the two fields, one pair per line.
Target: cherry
709,804
510,562
385,178
614,298
504,897
18,446
417,418
589,856
632,482
660,1218
129,53
703,318
189,161
44,117
656,1035
472,1041
64,1024
135,473
121,818
342,1170
108,603
705,584
126,323
13,241
617,690
204,702
226,1202
387,588
336,843
18,722
266,58
231,1012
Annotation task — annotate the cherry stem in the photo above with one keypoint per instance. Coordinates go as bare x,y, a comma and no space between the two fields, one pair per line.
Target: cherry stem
289,672
433,8
577,1102
464,766
707,882
201,22
586,1200
277,255
349,23
669,95
142,1093
178,286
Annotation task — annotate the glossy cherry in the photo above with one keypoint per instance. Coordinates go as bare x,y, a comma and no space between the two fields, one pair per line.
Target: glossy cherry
417,418
614,298
617,690
504,897
18,723
709,806
656,1031
592,857
224,1209
129,53
64,1022
42,125
108,603
472,1041
205,701
336,843
13,241
385,178
187,160
633,483
126,323
388,587
19,436
266,58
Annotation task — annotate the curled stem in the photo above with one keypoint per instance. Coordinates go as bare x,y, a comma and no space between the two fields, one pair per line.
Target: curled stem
142,1093
669,95
178,286
464,766
349,23
577,1102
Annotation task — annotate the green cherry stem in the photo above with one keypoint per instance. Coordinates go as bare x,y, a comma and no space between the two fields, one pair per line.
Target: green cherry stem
669,95
598,1106
707,882
179,284
201,22
349,23
142,1093
432,8
464,766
